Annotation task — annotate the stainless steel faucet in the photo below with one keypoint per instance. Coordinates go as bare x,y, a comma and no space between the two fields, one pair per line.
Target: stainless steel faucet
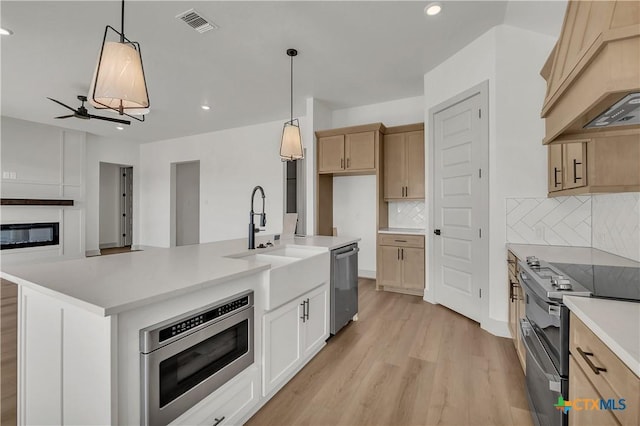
263,219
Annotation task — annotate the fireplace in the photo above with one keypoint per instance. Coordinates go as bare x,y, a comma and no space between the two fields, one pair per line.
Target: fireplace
21,235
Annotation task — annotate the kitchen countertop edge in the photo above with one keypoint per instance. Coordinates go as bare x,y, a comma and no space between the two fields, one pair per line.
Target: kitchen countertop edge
603,317
402,231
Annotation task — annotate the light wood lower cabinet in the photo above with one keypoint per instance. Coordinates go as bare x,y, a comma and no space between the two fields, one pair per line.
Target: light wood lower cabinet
9,353
292,333
608,377
580,388
516,308
401,263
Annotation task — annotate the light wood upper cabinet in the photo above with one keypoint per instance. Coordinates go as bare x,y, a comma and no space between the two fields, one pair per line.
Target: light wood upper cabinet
360,151
394,166
331,153
404,162
348,150
601,164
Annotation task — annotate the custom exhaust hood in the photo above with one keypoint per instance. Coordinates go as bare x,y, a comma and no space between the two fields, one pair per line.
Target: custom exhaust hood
593,73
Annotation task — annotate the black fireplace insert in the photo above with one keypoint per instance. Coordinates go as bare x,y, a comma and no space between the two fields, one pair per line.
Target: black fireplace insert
21,235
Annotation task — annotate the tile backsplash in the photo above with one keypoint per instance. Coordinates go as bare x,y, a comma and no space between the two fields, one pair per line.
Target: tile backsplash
407,214
616,224
560,221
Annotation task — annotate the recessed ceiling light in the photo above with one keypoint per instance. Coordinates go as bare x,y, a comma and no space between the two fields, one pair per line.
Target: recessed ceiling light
205,107
119,127
433,9
4,31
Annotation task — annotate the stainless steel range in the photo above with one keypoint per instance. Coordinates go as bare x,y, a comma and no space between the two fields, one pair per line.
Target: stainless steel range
545,333
545,328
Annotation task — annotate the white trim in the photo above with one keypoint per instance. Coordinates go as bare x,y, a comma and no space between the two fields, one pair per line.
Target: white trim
365,273
496,327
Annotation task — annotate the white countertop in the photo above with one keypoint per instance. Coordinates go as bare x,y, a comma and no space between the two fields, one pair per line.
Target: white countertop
562,254
405,231
616,323
107,285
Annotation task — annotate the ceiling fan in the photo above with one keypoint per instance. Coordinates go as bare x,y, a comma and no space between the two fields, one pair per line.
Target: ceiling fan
82,112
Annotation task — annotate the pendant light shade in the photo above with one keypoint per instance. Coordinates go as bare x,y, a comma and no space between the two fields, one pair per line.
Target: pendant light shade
291,144
118,82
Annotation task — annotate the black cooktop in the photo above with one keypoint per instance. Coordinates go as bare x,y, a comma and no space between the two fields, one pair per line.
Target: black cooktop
611,282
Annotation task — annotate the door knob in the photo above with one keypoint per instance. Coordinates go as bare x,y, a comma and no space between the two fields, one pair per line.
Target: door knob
436,231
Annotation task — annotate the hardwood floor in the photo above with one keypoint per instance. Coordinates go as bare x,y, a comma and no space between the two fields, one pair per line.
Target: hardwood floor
405,362
116,250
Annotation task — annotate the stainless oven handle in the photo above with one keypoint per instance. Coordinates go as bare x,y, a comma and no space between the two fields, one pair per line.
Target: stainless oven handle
527,330
554,311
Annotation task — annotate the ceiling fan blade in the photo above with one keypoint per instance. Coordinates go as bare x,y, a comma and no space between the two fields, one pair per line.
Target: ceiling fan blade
65,116
60,103
114,120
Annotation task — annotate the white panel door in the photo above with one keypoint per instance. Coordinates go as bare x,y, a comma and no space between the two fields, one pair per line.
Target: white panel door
458,207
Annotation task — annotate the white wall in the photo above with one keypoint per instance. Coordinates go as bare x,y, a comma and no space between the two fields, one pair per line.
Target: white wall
232,162
354,197
110,198
510,59
187,195
40,161
115,151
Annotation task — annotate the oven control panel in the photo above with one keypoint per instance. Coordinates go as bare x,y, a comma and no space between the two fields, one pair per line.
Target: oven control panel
187,324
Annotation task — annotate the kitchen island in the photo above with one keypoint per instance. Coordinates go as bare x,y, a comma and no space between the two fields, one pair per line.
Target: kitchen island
80,321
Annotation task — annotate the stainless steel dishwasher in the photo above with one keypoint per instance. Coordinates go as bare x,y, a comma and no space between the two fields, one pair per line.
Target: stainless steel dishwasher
344,286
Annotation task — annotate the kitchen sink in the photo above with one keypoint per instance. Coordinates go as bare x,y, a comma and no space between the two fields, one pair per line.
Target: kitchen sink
294,271
276,261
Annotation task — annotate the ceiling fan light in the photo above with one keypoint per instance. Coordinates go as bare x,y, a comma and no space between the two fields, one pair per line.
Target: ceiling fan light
119,79
291,145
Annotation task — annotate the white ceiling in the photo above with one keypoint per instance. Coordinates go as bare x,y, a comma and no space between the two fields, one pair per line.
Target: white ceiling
350,54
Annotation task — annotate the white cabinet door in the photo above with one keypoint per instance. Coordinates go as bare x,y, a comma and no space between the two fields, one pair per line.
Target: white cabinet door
316,327
281,343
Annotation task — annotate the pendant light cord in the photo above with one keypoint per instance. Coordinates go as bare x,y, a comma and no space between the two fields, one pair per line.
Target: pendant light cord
122,24
291,89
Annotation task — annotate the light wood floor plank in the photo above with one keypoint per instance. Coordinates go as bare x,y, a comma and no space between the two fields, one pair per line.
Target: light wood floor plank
404,362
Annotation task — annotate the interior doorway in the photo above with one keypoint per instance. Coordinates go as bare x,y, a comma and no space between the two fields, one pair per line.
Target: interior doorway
185,203
115,206
460,188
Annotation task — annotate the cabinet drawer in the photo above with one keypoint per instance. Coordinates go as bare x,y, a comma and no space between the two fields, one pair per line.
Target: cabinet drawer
232,401
400,240
617,382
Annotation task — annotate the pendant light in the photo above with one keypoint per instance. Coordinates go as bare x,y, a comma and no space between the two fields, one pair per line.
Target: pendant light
118,82
291,145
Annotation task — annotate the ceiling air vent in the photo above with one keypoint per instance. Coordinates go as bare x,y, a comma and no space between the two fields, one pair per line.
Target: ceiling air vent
197,21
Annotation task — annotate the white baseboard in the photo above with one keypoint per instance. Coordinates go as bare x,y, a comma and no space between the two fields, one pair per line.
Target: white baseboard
90,253
495,327
364,273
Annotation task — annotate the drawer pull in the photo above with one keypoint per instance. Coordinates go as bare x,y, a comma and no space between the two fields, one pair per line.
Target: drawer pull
400,241
218,420
585,355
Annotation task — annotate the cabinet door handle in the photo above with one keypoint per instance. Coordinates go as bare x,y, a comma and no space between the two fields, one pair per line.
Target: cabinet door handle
555,177
303,317
307,309
402,254
218,421
398,254
512,292
596,370
575,171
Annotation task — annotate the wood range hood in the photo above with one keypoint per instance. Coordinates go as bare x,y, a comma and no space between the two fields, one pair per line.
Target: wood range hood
594,65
